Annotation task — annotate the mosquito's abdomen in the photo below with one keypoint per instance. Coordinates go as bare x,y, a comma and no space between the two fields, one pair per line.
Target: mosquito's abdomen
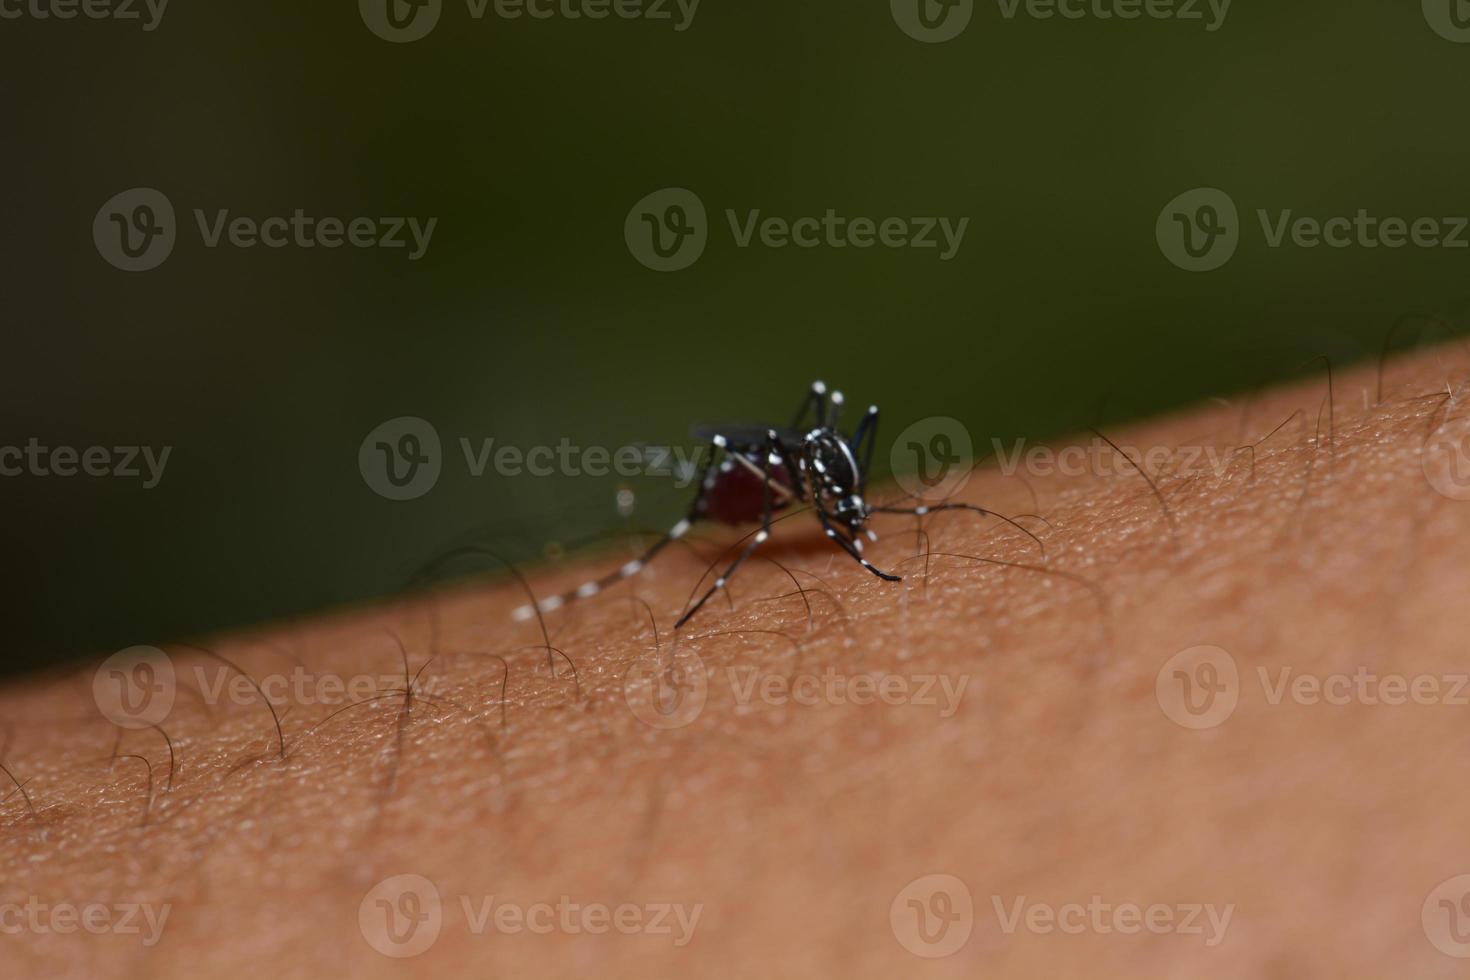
737,496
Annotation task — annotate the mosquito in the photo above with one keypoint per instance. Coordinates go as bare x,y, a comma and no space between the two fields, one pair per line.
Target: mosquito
751,471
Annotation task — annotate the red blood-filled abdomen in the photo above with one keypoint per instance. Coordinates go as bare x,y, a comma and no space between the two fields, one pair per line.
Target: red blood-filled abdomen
737,496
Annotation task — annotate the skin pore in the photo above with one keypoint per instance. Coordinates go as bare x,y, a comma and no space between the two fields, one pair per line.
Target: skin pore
1031,726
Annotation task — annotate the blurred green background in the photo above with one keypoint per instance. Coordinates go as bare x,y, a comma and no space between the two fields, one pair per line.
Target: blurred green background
528,320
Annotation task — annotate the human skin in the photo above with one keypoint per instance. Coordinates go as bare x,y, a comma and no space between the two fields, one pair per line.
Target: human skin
1059,775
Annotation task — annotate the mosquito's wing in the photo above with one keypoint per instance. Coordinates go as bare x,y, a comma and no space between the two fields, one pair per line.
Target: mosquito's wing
745,435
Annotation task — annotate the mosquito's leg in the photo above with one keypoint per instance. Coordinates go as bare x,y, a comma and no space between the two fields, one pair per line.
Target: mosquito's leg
867,430
772,450
774,447
814,404
851,548
923,509
793,470
636,565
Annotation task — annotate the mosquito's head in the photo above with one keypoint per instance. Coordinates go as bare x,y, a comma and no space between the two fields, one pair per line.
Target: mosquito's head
851,511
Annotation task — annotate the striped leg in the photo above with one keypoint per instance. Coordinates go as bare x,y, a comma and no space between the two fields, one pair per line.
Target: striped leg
628,569
867,430
588,589
851,548
772,448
